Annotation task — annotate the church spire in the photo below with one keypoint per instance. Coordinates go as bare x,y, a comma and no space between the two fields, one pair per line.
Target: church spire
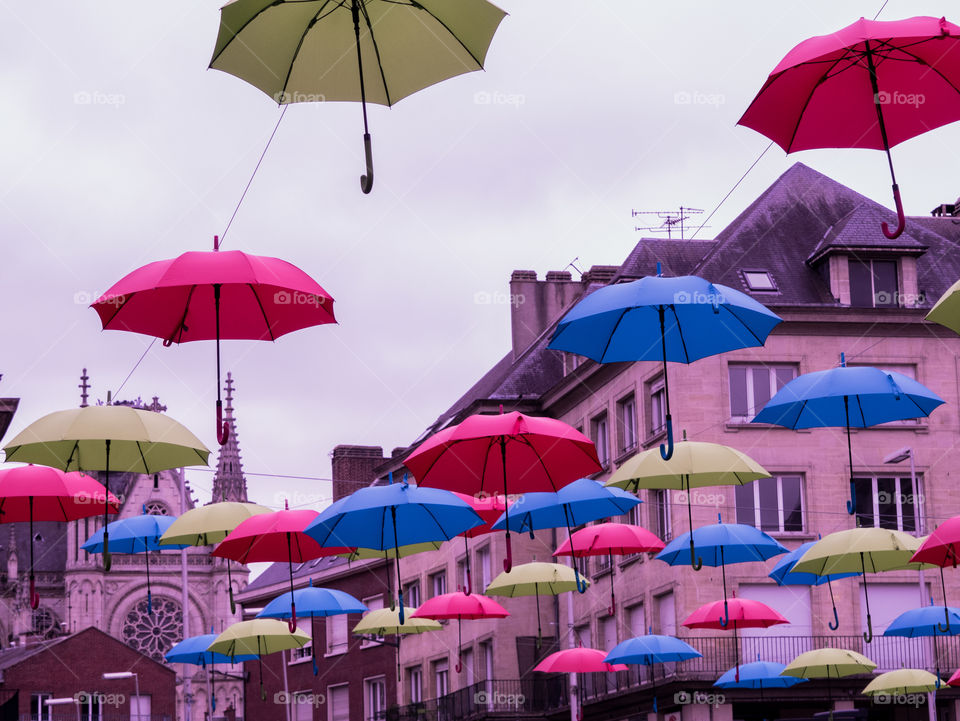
228,482
84,388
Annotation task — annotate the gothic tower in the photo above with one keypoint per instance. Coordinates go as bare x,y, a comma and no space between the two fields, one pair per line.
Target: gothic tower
228,482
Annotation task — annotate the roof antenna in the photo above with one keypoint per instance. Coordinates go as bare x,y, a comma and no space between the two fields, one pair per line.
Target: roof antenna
573,264
669,220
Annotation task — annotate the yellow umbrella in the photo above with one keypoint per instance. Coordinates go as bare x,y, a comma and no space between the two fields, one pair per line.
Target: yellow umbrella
903,681
362,554
694,464
946,311
96,437
386,622
828,663
257,637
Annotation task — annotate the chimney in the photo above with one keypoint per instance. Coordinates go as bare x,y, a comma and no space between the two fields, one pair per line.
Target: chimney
602,274
946,210
534,304
353,468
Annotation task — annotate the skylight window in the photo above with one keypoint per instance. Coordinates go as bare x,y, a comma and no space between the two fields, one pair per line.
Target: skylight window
759,280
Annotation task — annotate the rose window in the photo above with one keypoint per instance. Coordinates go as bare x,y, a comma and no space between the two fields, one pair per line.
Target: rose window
153,634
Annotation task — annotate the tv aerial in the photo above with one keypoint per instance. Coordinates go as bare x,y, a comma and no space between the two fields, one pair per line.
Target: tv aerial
671,221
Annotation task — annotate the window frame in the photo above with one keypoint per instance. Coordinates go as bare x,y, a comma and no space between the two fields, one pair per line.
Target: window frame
329,623
747,272
895,300
418,671
368,685
628,437
757,511
373,641
600,421
749,387
661,520
433,578
408,595
329,698
916,498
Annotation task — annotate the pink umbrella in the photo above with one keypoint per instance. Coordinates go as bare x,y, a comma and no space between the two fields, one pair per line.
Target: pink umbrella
606,539
578,660
489,508
941,548
213,295
488,452
460,606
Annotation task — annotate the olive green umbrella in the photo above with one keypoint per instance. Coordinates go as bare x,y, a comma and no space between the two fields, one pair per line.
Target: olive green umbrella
903,681
386,622
352,50
363,554
98,438
257,637
828,663
946,311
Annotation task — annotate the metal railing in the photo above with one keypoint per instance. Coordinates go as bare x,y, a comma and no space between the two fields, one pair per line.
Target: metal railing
493,697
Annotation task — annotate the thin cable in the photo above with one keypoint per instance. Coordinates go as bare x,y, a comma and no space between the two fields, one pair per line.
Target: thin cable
881,9
752,165
269,475
135,366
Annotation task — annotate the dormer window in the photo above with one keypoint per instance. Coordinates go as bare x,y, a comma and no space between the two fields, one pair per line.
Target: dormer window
759,280
873,283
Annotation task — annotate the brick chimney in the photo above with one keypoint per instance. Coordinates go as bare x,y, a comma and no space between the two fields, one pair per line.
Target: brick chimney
353,468
535,304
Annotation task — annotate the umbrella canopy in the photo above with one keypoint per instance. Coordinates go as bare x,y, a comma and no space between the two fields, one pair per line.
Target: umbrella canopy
487,452
848,397
954,680
460,606
678,319
195,650
386,622
743,613
903,681
940,548
925,621
214,295
489,508
946,311
257,637
693,464
296,51
650,649
578,660
829,663
361,554
758,674
38,493
784,575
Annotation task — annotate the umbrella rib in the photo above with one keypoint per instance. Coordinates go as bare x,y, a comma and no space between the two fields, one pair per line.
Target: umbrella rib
296,52
376,52
923,62
120,306
683,343
146,468
453,34
263,312
437,522
237,32
610,335
806,102
749,330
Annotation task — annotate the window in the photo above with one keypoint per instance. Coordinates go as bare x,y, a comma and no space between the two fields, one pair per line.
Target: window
794,603
774,505
302,705
441,677
373,603
305,651
627,424
656,407
411,594
607,631
462,574
484,568
375,699
486,659
438,583
886,502
337,639
660,513
637,620
759,280
90,707
415,683
39,712
338,701
598,434
873,283
601,564
751,386
583,636
666,614
466,667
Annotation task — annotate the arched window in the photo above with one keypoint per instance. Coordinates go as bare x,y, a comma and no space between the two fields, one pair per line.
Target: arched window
153,634
156,508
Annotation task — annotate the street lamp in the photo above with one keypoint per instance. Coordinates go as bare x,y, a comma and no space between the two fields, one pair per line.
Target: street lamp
136,684
63,702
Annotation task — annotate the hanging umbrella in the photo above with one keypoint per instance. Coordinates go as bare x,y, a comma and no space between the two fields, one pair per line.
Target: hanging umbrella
720,544
758,674
858,88
693,464
91,438
304,51
193,650
362,554
257,637
941,548
606,539
212,296
314,602
391,516
829,663
954,680
510,451
135,534
784,575
575,504
926,621
390,622
651,649
679,319
578,660
946,311
533,579
276,536
865,550
38,493
489,508
460,606
740,612
903,681
848,397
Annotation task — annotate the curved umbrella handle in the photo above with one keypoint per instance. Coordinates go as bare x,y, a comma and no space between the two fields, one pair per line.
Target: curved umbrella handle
459,667
263,693
868,635
508,561
666,452
539,642
696,563
223,428
901,220
34,596
736,675
851,504
613,604
581,585
292,621
107,558
944,629
835,624
725,619
366,181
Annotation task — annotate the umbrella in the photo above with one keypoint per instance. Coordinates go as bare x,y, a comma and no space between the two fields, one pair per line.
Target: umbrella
391,516
275,536
575,504
650,649
135,534
257,637
38,493
90,438
784,575
945,311
693,464
941,548
532,579
208,525
720,544
691,317
925,621
578,660
829,663
302,51
819,95
460,606
390,622
606,539
954,680
180,300
848,397
480,454
315,602
193,650
758,674
489,508
741,612
361,554
863,549
903,681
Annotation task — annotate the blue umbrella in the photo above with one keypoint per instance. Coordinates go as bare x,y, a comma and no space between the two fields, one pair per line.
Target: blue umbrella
193,650
136,534
689,316
398,514
926,621
848,397
650,649
577,503
720,544
784,575
759,674
314,601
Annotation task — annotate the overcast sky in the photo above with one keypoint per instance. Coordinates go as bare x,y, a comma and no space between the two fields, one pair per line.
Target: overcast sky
118,147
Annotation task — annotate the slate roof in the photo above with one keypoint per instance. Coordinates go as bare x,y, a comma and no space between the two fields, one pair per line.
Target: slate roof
279,572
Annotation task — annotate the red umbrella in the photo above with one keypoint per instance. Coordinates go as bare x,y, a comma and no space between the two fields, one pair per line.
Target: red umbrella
213,296
744,613
870,85
460,606
489,508
275,537
955,679
38,493
606,539
578,660
941,548
488,452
